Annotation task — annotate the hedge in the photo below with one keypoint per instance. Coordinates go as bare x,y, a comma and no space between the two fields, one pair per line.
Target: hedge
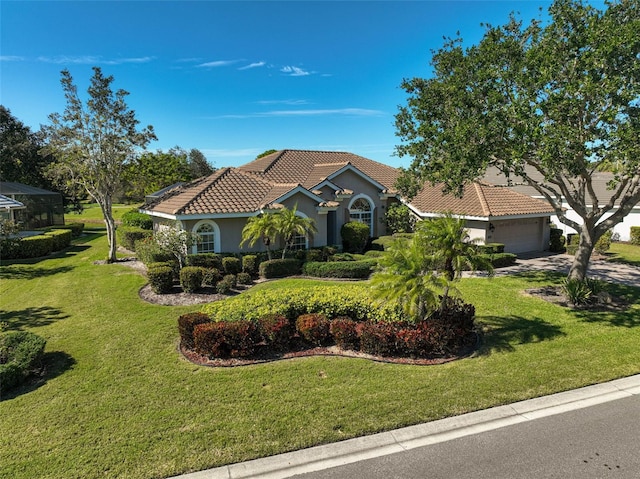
206,260
148,251
314,328
76,228
20,353
250,264
35,246
231,265
61,238
355,236
128,235
186,323
635,235
280,268
352,300
491,248
160,278
501,260
137,219
340,269
225,340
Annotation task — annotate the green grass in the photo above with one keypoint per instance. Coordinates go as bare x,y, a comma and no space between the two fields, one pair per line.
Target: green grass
119,401
92,214
624,253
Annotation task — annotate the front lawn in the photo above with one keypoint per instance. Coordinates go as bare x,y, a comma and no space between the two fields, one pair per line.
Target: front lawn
119,401
92,214
624,253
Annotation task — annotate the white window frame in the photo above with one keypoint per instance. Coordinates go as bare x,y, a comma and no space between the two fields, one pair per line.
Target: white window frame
356,215
215,233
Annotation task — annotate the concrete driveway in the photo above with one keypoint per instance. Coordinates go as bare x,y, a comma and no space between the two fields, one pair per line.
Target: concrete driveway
598,269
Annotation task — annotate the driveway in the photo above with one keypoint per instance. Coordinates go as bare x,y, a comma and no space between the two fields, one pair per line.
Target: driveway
598,269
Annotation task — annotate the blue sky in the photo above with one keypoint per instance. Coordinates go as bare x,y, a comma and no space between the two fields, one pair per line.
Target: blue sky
234,79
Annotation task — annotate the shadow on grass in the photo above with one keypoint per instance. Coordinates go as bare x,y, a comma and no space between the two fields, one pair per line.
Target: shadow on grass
628,317
26,271
31,317
545,277
54,364
503,333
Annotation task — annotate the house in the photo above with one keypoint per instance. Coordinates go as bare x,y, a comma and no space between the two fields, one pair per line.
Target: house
334,188
600,181
7,208
41,207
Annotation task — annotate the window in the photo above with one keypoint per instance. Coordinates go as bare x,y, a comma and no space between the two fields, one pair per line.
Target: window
360,211
299,242
207,234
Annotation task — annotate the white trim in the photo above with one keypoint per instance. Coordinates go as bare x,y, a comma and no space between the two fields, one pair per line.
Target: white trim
216,235
371,203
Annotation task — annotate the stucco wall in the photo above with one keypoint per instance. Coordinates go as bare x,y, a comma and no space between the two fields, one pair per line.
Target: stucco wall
623,229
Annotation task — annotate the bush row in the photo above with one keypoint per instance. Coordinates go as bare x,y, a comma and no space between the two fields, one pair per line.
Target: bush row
128,235
340,269
35,246
635,235
442,334
20,353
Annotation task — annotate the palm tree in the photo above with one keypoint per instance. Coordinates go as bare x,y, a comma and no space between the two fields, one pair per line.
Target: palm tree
406,275
289,225
262,227
447,241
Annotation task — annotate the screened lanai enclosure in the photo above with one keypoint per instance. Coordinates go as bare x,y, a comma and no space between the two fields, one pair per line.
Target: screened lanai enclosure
41,207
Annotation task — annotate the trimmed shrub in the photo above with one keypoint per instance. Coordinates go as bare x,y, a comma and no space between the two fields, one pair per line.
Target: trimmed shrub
186,323
341,257
232,279
211,276
634,235
20,353
378,339
136,219
491,248
61,238
556,240
226,284
501,260
343,269
345,333
35,246
250,264
604,242
381,243
231,265
191,278
244,278
206,260
314,255
373,253
76,228
148,251
129,235
276,331
314,328
280,268
234,339
9,248
355,236
160,278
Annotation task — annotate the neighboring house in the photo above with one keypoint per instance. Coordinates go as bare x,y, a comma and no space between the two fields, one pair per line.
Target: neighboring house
7,208
334,188
599,181
41,207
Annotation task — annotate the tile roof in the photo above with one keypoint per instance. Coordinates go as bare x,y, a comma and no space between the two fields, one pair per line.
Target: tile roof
219,193
309,168
480,200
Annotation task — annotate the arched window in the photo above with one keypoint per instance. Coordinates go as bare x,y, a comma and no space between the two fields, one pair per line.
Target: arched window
300,242
207,232
361,210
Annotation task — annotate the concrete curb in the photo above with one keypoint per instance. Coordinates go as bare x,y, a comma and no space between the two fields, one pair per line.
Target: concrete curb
353,450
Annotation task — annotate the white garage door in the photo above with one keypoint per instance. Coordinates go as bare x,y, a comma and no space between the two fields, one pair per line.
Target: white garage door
519,236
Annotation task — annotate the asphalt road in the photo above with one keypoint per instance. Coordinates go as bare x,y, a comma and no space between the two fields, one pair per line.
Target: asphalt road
599,441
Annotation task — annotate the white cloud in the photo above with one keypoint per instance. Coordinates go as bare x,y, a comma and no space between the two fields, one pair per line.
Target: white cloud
299,113
11,58
294,71
92,60
253,65
283,102
218,63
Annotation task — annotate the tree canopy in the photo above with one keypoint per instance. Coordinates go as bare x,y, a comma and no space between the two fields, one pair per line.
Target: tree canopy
561,100
92,143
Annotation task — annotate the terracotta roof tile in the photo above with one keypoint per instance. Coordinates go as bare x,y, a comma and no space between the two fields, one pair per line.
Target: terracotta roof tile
481,200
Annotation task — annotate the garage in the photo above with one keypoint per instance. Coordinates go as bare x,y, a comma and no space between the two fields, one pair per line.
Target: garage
519,235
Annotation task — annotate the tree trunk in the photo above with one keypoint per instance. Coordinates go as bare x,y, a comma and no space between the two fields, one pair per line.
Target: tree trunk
110,224
580,264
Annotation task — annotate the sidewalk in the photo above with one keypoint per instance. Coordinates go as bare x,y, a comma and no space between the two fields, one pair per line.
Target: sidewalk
358,449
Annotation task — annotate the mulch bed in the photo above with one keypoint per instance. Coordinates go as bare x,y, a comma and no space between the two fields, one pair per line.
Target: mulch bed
553,294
